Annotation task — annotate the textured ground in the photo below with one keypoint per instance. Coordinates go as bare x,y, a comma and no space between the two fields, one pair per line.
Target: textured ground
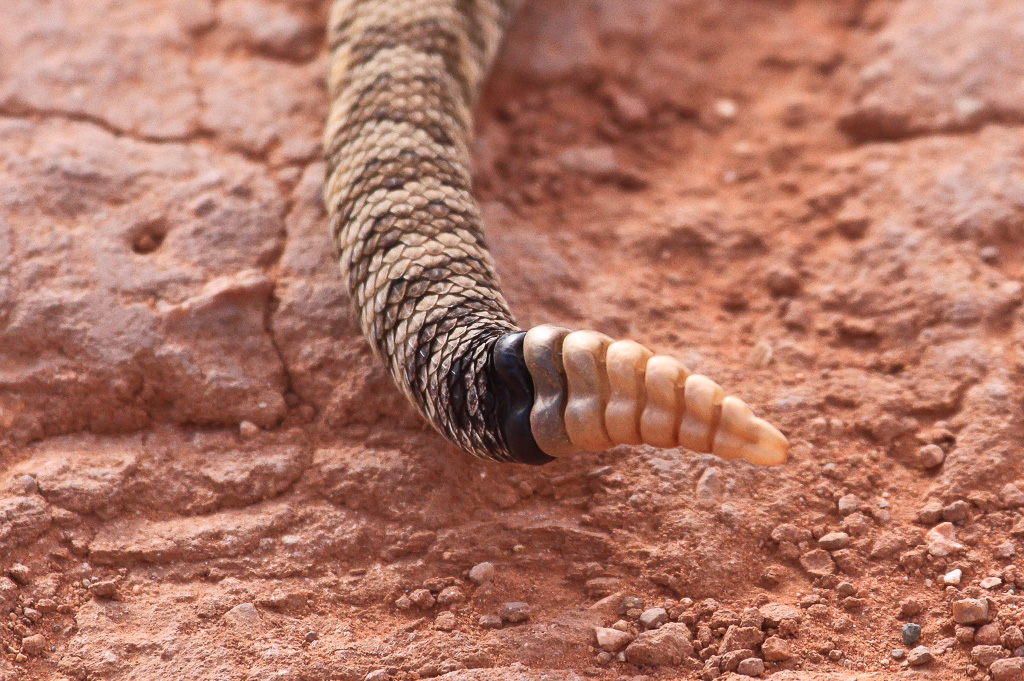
203,475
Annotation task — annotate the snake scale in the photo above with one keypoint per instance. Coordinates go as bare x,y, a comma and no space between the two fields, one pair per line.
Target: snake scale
404,78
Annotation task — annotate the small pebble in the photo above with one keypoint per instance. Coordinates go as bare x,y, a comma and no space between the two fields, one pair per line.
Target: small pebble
1005,549
33,645
311,636
958,512
899,654
445,621
752,617
20,573
988,635
26,484
489,622
971,611
248,430
422,598
106,588
1013,637
630,111
847,504
481,573
910,607
852,222
911,634
953,577
776,649
653,618
46,605
964,634
942,541
930,513
930,456
835,655
1009,669
751,666
243,617
834,541
846,589
727,109
990,583
611,640
514,612
989,254
919,655
450,595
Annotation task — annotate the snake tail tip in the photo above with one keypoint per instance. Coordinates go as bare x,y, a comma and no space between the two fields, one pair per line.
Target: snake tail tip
592,393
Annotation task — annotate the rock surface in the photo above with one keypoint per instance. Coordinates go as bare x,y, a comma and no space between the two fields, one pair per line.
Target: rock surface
943,66
669,645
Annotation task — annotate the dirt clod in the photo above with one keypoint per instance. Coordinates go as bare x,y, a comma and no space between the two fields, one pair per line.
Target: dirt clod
919,655
481,573
1011,669
33,645
489,622
971,611
751,666
669,645
514,611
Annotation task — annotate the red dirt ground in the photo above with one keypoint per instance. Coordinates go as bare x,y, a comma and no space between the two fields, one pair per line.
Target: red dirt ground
205,476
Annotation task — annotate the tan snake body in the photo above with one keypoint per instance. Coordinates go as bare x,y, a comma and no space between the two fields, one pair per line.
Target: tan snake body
404,79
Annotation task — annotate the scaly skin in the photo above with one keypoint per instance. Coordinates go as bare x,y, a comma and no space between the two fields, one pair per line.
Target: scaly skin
404,78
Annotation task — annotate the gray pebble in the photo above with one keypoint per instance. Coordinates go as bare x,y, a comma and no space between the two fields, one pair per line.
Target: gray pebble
653,618
911,633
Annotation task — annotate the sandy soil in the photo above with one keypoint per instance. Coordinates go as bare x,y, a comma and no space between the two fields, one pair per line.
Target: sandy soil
204,475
